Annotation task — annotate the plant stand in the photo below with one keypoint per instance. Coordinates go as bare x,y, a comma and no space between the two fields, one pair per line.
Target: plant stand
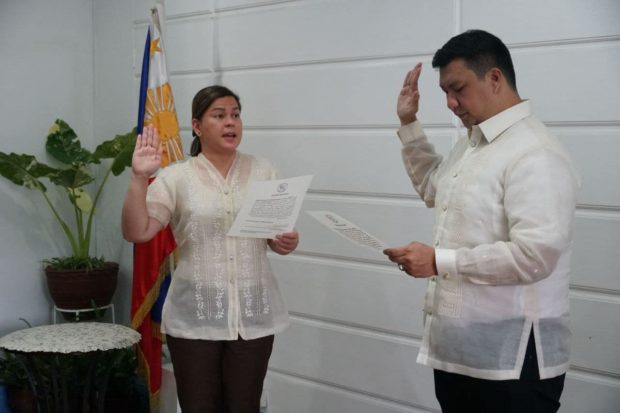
77,312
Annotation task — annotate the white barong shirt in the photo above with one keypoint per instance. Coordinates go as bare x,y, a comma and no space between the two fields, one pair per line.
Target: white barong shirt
504,204
223,287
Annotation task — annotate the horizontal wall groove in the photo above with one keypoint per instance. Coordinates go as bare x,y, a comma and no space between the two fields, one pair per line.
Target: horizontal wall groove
353,329
598,208
359,126
334,323
343,258
385,128
584,123
261,5
192,72
391,58
596,374
586,292
174,17
400,404
319,259
565,42
216,12
608,295
353,196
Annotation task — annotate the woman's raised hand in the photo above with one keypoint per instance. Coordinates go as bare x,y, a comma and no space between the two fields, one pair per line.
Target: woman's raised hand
147,154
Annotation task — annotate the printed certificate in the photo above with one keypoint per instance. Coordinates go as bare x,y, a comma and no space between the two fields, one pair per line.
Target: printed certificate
270,207
348,230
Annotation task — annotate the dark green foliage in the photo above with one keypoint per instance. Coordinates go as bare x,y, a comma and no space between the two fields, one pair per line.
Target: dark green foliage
64,145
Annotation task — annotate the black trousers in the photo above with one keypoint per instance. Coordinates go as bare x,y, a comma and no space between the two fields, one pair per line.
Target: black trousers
220,376
529,394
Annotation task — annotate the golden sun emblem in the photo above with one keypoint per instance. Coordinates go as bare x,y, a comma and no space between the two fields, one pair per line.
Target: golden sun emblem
160,112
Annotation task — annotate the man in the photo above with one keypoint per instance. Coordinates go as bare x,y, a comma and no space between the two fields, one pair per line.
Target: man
496,310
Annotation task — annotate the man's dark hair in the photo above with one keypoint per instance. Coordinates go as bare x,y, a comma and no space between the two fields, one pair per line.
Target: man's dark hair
481,52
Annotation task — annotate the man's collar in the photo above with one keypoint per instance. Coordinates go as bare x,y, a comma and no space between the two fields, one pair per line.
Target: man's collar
495,125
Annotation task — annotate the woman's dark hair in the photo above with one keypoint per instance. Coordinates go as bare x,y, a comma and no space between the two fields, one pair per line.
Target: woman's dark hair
201,103
481,51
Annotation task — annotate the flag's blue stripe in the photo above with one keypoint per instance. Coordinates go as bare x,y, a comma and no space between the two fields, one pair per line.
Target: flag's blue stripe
158,306
144,81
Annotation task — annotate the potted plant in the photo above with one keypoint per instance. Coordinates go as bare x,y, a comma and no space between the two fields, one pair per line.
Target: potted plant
80,280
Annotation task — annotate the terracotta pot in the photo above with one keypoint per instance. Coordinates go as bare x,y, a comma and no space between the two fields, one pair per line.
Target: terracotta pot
78,289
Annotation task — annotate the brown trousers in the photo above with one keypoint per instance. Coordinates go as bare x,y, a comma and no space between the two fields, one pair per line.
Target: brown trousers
220,376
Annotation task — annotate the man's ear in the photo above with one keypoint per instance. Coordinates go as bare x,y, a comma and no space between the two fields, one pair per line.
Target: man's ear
496,77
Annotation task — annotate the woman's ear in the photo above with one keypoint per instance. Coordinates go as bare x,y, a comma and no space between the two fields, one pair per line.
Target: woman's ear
196,127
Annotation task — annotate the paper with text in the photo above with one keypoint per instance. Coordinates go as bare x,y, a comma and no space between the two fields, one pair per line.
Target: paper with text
348,230
270,207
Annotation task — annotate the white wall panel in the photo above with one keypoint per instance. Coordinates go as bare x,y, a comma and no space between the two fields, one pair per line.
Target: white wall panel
393,302
360,94
595,152
224,5
46,73
535,21
291,394
369,363
184,88
141,8
394,222
595,323
288,394
589,393
378,297
332,30
344,160
189,44
562,86
595,259
318,80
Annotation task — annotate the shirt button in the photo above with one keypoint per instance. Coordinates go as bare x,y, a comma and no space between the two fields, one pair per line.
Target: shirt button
455,175
445,275
445,208
226,191
231,258
473,144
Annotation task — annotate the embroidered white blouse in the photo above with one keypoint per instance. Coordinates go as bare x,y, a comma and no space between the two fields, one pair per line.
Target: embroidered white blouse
504,204
223,286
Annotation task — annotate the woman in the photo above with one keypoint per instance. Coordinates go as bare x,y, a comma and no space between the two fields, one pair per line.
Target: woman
223,307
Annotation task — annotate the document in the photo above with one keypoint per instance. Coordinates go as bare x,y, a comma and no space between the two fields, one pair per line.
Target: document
348,230
270,207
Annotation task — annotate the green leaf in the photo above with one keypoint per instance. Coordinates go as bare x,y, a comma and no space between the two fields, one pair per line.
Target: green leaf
73,177
25,170
120,149
64,145
81,199
73,262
